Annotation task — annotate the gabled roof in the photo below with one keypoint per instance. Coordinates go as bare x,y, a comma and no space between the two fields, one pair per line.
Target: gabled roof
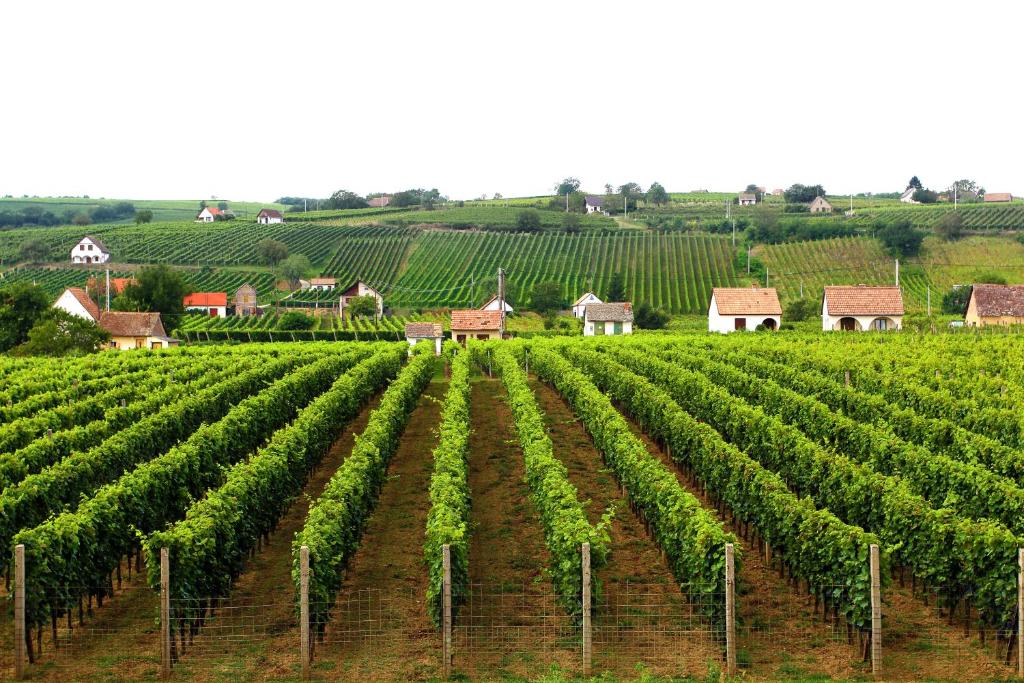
270,213
748,196
423,330
206,299
595,200
580,300
83,298
821,201
323,281
97,242
245,288
473,319
863,300
998,197
353,289
999,300
747,301
214,211
508,306
380,202
617,312
121,324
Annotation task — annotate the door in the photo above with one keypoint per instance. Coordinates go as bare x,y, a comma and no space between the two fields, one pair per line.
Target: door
741,323
213,312
461,338
617,328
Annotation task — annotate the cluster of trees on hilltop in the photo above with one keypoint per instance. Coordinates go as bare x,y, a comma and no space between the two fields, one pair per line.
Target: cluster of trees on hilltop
38,216
615,198
345,199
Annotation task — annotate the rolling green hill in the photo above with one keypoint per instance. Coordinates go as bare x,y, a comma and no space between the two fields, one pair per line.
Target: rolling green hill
163,209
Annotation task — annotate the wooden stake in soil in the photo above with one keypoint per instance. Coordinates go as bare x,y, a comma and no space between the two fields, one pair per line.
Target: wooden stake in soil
304,609
587,635
19,611
1020,612
847,378
876,613
730,610
165,613
446,603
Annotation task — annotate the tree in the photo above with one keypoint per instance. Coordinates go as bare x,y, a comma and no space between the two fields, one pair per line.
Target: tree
294,267
362,306
528,220
571,223
271,251
343,199
631,190
657,195
21,306
143,216
81,219
950,226
34,251
497,195
751,188
223,206
798,193
801,309
58,333
159,289
202,204
616,288
965,185
647,317
899,237
914,183
567,186
924,196
546,297
295,320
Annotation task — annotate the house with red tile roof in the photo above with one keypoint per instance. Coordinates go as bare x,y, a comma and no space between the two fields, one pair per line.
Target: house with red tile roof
268,216
213,304
995,305
127,330
477,324
208,215
861,308
743,308
995,197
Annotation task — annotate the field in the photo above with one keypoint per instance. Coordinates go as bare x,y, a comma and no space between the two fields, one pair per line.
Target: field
801,450
163,209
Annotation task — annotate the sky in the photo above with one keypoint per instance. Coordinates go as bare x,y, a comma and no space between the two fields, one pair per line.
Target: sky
257,100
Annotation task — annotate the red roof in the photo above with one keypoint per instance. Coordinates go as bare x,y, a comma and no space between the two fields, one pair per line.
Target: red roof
998,197
87,303
206,299
747,301
270,213
864,300
476,320
999,300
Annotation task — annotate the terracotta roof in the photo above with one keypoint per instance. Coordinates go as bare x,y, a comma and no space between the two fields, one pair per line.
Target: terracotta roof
998,197
120,324
864,300
97,242
379,202
476,320
270,213
617,312
595,200
117,284
214,211
206,299
322,281
747,301
748,196
423,330
999,300
87,303
580,300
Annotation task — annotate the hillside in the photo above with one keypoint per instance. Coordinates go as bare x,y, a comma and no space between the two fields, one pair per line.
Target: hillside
163,209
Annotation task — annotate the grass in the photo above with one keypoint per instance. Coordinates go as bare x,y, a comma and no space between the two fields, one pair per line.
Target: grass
163,209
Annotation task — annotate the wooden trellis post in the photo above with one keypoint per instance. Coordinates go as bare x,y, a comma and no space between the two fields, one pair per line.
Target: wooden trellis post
1020,612
876,613
19,611
165,613
730,610
304,609
588,644
446,600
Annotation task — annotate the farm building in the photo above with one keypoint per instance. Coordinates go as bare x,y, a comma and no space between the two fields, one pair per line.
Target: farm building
995,305
89,250
742,308
477,324
208,215
859,308
127,330
778,192
492,304
75,301
820,205
747,199
908,196
581,304
360,288
213,304
416,332
267,216
245,300
611,319
995,197
323,284
379,202
594,203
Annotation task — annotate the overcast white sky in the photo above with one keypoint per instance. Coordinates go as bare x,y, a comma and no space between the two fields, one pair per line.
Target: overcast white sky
256,100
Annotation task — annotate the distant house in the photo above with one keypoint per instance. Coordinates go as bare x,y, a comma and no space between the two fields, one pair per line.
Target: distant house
245,300
360,288
610,319
778,192
743,308
477,324
759,189
820,205
117,284
380,202
89,250
323,284
581,304
594,203
493,305
991,197
415,332
859,308
267,216
213,304
908,196
747,198
208,215
995,305
127,330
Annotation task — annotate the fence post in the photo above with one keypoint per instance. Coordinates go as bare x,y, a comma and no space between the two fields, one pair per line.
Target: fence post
587,632
165,613
446,600
876,613
846,377
730,610
527,352
304,609
19,611
1020,612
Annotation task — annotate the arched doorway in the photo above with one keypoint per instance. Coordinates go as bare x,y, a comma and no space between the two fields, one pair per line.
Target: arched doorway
848,324
883,324
769,323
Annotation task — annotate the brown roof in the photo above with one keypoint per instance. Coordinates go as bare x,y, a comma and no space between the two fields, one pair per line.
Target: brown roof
998,197
864,300
617,312
999,300
102,247
379,202
476,320
120,324
322,281
748,196
747,301
423,330
87,303
270,213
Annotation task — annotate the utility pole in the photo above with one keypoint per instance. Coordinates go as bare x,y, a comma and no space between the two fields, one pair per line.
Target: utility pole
625,206
748,259
929,301
954,196
501,296
108,289
897,272
567,202
766,276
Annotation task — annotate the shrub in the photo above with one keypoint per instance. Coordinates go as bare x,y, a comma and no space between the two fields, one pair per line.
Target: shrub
528,220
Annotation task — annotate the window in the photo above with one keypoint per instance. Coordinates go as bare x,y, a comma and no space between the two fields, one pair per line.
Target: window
484,337
880,324
617,328
741,323
599,327
140,342
89,247
461,338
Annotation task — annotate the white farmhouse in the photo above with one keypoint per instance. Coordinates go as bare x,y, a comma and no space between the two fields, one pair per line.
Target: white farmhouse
908,196
610,319
126,330
323,284
741,308
75,301
581,304
747,199
594,203
416,332
89,250
859,308
267,216
360,288
208,214
493,305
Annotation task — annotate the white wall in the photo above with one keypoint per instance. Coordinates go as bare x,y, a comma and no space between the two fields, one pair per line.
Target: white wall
579,309
81,251
67,302
415,340
588,328
222,311
493,306
727,323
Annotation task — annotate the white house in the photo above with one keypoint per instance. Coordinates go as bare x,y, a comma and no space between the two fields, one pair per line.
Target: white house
594,203
267,216
859,308
126,330
747,199
743,308
820,205
208,215
75,301
416,332
213,304
89,250
908,196
323,284
360,288
493,305
581,304
610,319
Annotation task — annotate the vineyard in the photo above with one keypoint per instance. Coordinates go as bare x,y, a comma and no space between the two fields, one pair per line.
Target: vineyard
771,506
